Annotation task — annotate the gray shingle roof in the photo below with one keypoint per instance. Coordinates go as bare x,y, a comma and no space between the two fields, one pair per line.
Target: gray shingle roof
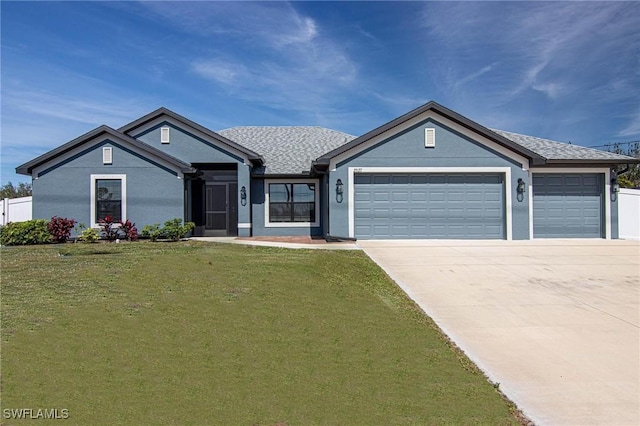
553,150
290,149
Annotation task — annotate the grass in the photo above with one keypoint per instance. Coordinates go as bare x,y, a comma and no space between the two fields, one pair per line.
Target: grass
197,333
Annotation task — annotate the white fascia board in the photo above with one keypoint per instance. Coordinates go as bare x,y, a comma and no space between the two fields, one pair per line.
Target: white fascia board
268,224
567,170
504,170
524,162
95,141
177,124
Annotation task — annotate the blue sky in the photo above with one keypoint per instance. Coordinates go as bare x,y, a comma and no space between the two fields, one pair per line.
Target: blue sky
567,71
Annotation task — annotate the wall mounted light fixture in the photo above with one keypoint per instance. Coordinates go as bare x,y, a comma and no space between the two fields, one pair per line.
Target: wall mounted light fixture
615,188
243,196
339,190
520,190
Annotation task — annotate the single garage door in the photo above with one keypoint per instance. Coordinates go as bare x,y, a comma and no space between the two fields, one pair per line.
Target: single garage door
567,205
462,206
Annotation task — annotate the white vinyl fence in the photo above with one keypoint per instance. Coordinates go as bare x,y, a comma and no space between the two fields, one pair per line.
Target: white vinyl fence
629,214
16,210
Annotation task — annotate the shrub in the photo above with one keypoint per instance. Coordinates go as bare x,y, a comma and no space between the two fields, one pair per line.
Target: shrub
88,235
60,228
174,229
20,233
108,228
129,230
153,232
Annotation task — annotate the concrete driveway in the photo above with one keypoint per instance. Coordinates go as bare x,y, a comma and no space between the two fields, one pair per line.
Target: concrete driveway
555,322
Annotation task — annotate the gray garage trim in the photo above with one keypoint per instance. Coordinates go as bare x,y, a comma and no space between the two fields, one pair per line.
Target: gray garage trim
482,195
568,205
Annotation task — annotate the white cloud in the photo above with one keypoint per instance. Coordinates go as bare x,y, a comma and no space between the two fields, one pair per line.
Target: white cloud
225,73
474,75
297,66
58,105
632,129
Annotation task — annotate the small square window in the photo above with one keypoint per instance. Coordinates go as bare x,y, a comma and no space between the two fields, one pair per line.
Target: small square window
107,155
164,134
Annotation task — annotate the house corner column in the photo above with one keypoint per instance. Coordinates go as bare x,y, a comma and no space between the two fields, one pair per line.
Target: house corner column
244,205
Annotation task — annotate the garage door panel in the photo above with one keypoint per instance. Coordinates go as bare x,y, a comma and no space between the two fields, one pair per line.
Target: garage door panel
431,206
568,205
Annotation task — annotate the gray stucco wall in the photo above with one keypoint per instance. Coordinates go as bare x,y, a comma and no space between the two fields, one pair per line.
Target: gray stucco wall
193,149
406,149
154,195
258,216
186,146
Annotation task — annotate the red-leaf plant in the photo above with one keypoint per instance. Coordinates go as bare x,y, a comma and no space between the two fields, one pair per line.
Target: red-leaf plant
60,228
129,230
108,228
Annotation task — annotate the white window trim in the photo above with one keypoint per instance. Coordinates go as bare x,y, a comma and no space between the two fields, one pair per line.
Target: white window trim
505,170
607,191
94,178
107,155
269,224
165,131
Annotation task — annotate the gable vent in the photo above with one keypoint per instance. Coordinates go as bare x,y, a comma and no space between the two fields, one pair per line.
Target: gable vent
107,155
429,138
164,135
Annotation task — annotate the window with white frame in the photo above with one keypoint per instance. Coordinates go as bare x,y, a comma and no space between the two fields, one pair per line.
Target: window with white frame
292,203
108,197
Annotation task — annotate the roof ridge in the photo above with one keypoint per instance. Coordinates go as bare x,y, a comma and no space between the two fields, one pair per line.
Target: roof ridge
288,127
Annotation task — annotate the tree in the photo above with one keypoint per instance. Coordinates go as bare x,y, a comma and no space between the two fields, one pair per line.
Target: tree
10,191
631,179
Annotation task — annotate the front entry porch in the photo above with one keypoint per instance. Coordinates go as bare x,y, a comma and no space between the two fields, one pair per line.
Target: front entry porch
212,200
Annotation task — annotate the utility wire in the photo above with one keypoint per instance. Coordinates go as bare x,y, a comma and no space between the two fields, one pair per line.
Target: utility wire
610,144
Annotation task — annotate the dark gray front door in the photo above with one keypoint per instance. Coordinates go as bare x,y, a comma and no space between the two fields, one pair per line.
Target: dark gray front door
221,210
568,205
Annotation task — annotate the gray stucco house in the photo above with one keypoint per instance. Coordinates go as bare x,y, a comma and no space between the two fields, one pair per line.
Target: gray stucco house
430,173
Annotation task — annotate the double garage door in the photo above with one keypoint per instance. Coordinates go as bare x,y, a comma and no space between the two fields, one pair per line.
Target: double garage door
472,205
455,206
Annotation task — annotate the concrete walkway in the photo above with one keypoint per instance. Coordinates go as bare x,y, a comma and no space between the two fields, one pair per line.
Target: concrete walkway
555,322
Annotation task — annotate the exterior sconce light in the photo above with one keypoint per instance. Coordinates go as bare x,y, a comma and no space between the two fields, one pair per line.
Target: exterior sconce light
339,190
615,188
243,196
520,190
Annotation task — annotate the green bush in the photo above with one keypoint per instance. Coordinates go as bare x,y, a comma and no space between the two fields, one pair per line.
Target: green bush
20,233
174,229
153,232
89,235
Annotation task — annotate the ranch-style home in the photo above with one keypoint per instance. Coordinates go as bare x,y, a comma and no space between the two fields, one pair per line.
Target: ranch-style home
430,173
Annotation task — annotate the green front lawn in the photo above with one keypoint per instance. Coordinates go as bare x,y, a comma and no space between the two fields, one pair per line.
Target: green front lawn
197,333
